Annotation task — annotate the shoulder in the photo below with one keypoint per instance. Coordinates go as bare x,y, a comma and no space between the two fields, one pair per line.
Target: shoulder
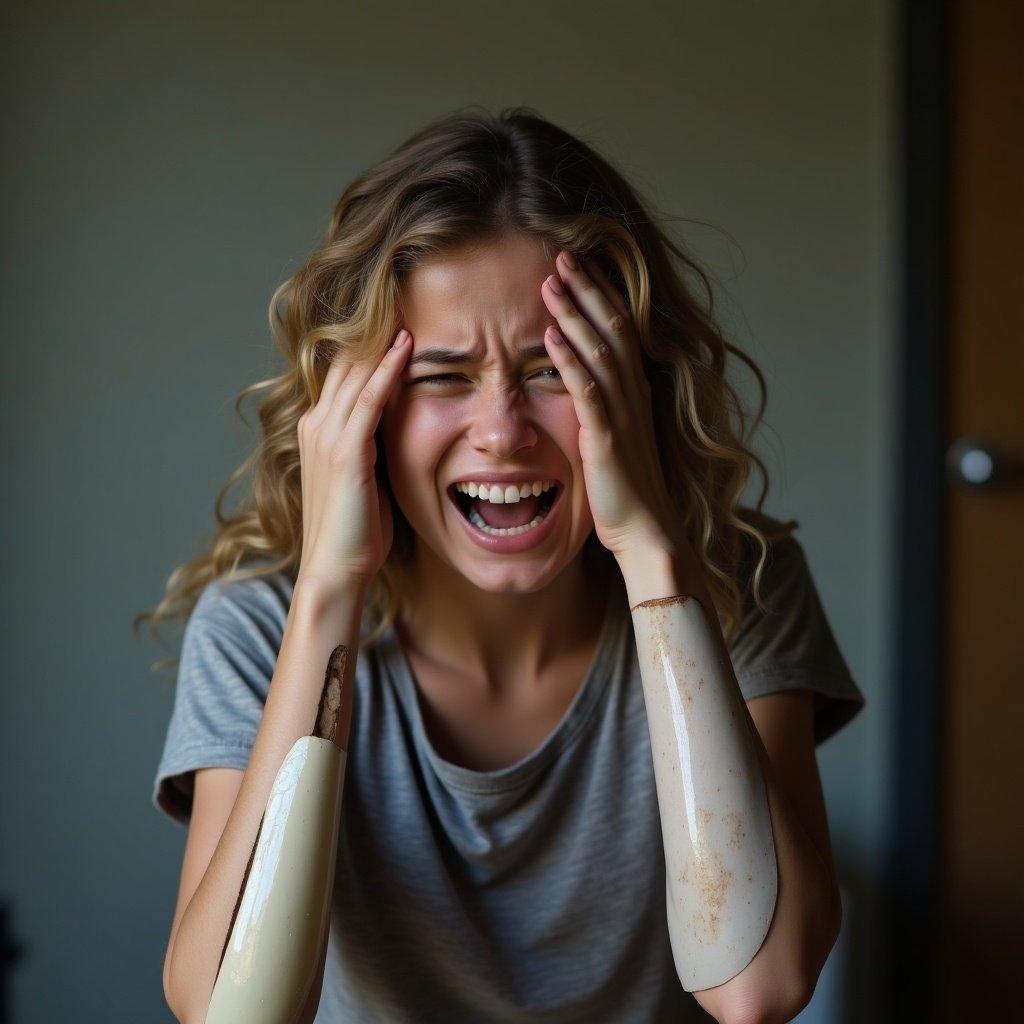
239,604
233,635
785,640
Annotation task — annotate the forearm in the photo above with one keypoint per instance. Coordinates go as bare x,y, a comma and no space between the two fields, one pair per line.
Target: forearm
720,857
302,701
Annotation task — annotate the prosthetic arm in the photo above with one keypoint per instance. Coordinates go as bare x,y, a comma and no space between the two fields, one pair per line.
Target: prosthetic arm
721,872
271,956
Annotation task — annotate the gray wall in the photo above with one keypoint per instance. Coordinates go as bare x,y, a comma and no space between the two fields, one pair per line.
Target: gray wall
167,165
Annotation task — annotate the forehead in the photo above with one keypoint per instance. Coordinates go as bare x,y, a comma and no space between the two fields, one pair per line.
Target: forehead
479,296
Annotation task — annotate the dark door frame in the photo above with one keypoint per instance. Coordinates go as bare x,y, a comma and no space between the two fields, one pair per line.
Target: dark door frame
914,853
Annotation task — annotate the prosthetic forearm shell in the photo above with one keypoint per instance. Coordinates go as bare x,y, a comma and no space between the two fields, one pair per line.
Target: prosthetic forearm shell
273,952
721,872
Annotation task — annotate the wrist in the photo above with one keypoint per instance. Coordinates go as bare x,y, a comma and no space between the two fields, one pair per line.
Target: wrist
663,570
314,597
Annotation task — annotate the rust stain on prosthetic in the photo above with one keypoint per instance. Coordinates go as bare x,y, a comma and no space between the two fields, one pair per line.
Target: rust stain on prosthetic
736,833
713,880
705,926
655,602
660,641
330,699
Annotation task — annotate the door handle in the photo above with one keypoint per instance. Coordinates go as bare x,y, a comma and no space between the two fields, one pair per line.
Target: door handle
977,463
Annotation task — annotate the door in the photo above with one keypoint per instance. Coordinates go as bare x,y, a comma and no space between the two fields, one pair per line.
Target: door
982,894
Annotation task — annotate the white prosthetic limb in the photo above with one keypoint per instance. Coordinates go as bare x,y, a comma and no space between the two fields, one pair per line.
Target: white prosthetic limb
721,872
272,954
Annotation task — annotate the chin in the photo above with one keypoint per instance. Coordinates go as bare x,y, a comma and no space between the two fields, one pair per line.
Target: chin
504,579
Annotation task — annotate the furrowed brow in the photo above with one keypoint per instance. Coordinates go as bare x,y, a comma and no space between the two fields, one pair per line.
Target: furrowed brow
449,357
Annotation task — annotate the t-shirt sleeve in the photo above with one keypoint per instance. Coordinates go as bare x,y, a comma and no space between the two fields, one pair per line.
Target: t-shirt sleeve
228,654
791,646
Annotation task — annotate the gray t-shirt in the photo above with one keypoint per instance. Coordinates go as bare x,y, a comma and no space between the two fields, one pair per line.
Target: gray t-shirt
534,893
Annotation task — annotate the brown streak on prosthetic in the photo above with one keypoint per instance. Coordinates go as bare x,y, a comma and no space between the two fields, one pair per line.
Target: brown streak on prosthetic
330,699
241,892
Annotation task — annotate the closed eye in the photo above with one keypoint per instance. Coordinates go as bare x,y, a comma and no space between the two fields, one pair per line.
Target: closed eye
444,377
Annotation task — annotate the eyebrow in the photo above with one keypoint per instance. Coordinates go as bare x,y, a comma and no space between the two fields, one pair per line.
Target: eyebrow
449,357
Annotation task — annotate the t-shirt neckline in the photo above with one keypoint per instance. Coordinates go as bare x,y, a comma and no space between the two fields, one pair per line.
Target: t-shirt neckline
578,713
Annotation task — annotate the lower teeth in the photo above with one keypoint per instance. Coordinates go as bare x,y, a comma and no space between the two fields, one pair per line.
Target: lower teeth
477,520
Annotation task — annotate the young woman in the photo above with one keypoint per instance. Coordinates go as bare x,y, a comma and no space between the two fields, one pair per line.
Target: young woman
498,493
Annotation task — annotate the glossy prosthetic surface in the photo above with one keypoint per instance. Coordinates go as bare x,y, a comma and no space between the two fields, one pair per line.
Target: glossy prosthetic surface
721,873
273,950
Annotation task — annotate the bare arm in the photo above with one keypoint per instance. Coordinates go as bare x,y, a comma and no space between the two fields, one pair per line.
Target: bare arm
318,623
751,899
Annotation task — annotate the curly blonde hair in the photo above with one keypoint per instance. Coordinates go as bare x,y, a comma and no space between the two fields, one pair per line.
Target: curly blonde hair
462,178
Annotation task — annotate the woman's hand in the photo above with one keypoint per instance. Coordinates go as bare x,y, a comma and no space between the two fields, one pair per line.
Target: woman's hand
347,527
602,370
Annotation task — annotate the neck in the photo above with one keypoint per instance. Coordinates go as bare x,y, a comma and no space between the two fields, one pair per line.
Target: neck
502,639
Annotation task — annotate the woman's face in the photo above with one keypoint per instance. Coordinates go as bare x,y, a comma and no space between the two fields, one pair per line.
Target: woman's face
501,408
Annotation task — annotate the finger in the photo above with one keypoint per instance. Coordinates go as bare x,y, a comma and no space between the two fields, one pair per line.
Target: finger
374,395
336,373
335,376
593,268
609,315
597,356
349,390
591,409
591,299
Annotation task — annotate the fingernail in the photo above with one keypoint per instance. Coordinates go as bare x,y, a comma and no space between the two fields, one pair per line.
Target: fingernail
569,260
555,285
403,337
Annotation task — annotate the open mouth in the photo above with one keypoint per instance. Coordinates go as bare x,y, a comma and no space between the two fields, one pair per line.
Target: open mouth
469,507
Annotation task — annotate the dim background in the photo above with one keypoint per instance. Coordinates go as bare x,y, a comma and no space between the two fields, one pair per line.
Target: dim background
167,165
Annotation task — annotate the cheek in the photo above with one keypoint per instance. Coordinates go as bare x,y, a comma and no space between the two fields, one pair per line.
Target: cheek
393,439
562,424
414,438
436,422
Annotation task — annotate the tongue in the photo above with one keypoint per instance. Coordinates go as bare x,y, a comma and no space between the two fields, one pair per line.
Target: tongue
504,517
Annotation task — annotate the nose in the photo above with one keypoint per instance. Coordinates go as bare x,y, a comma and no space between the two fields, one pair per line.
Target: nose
500,423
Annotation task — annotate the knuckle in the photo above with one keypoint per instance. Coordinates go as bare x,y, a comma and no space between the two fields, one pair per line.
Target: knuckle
617,325
603,353
590,391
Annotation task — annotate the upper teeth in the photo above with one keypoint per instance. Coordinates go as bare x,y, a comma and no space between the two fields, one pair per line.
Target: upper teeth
504,494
